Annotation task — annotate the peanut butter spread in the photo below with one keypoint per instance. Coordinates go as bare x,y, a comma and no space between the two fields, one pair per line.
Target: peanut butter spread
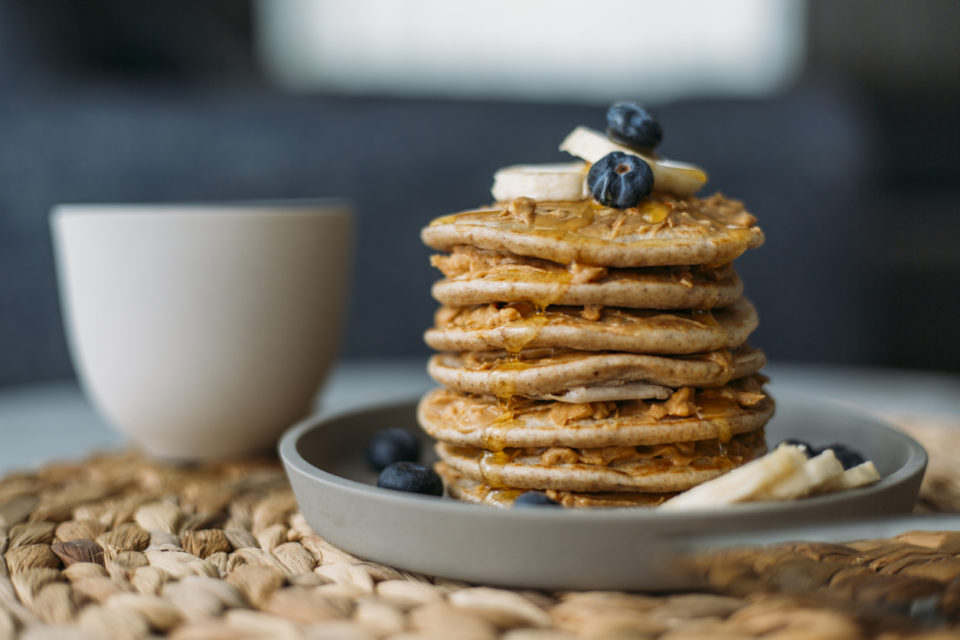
606,319
470,263
572,499
480,276
517,326
492,316
470,412
638,460
587,220
577,376
480,492
722,360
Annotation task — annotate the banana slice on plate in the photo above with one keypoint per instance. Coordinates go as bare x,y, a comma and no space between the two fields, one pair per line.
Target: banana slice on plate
783,474
675,177
743,483
858,476
564,182
810,476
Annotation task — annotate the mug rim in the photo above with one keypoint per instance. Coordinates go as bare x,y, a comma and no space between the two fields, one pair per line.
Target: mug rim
332,206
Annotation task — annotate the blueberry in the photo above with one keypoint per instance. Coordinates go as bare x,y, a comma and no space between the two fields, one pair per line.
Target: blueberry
803,445
848,457
534,499
620,180
412,478
392,445
632,125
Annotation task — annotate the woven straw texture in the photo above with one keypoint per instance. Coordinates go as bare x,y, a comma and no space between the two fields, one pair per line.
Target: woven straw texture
118,546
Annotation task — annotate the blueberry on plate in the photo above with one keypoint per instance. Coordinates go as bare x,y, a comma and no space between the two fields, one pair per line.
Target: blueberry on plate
632,125
803,445
847,456
620,180
392,445
534,499
412,478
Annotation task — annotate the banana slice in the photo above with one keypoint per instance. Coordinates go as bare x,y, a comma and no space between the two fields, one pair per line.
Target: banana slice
784,474
743,483
541,182
859,476
808,478
674,177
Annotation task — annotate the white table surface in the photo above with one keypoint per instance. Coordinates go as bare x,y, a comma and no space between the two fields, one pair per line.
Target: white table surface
53,421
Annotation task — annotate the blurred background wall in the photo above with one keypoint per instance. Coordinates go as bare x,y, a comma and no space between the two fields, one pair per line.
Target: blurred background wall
836,122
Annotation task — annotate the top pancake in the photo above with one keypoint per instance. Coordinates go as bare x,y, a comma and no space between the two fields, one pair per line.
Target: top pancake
663,230
478,276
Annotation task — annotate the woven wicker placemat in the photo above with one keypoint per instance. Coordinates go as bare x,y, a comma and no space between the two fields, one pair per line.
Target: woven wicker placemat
119,546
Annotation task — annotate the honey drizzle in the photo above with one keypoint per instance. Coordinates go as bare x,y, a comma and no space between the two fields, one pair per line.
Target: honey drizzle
543,223
654,212
519,333
716,410
494,435
563,221
705,317
490,462
503,387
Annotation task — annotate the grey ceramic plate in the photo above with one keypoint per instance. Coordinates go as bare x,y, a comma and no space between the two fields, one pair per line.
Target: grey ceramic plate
558,548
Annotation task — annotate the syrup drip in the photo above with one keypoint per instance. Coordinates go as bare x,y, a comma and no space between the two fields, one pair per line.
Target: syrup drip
563,222
490,464
654,212
520,333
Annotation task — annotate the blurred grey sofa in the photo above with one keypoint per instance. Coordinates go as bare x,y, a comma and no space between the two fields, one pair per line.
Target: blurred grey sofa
800,161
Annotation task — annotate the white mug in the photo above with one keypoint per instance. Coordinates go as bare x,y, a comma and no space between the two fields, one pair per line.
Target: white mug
203,330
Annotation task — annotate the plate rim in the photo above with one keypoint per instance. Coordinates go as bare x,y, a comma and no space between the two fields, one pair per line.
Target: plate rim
292,459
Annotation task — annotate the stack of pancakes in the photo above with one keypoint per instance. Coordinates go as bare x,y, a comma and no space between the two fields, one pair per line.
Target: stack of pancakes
598,355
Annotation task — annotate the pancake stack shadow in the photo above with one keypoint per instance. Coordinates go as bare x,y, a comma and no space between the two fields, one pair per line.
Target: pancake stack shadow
596,355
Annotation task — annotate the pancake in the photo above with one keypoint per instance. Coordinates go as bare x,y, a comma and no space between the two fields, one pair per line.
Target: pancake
475,276
663,230
468,490
690,414
538,373
648,469
517,326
